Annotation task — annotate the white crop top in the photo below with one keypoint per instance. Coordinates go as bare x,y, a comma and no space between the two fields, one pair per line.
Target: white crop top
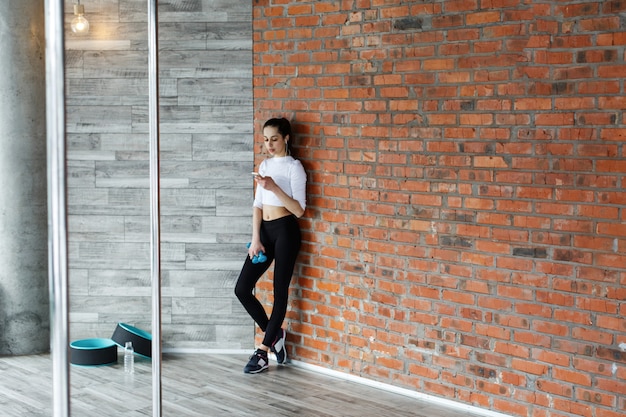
288,173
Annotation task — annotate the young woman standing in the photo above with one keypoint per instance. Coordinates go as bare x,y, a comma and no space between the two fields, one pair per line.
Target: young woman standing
280,199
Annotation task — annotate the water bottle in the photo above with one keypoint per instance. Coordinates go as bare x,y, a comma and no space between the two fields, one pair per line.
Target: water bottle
129,358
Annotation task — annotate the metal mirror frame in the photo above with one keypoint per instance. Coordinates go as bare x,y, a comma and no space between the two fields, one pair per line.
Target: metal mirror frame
57,205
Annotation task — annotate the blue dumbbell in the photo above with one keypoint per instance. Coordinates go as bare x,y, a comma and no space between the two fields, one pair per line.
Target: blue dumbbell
259,258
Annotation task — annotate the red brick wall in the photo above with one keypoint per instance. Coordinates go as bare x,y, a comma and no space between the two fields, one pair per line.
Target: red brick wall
465,235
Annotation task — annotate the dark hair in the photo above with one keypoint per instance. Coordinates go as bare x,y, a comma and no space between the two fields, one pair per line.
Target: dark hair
282,124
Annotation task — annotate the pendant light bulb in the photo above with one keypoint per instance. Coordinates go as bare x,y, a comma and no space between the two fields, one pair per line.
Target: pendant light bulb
79,24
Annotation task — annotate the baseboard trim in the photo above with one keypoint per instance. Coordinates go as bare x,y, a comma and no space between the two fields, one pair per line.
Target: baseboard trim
401,391
209,351
356,379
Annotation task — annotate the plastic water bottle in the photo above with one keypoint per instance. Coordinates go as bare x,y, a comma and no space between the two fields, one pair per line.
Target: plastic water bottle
129,358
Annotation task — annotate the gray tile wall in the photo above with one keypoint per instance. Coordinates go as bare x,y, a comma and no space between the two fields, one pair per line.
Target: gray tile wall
206,154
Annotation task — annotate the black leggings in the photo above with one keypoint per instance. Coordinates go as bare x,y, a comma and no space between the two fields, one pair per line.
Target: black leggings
281,239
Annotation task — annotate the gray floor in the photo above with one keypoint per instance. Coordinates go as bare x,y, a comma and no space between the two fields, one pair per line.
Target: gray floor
200,385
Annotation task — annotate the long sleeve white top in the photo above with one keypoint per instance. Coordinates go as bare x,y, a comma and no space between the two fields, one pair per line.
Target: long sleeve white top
288,173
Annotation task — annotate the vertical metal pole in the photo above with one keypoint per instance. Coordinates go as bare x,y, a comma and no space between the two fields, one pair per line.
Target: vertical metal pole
57,217
155,246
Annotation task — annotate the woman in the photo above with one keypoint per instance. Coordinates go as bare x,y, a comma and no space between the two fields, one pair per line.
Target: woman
280,199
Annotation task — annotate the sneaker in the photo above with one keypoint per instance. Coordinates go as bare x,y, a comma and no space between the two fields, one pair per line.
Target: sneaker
258,362
279,347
